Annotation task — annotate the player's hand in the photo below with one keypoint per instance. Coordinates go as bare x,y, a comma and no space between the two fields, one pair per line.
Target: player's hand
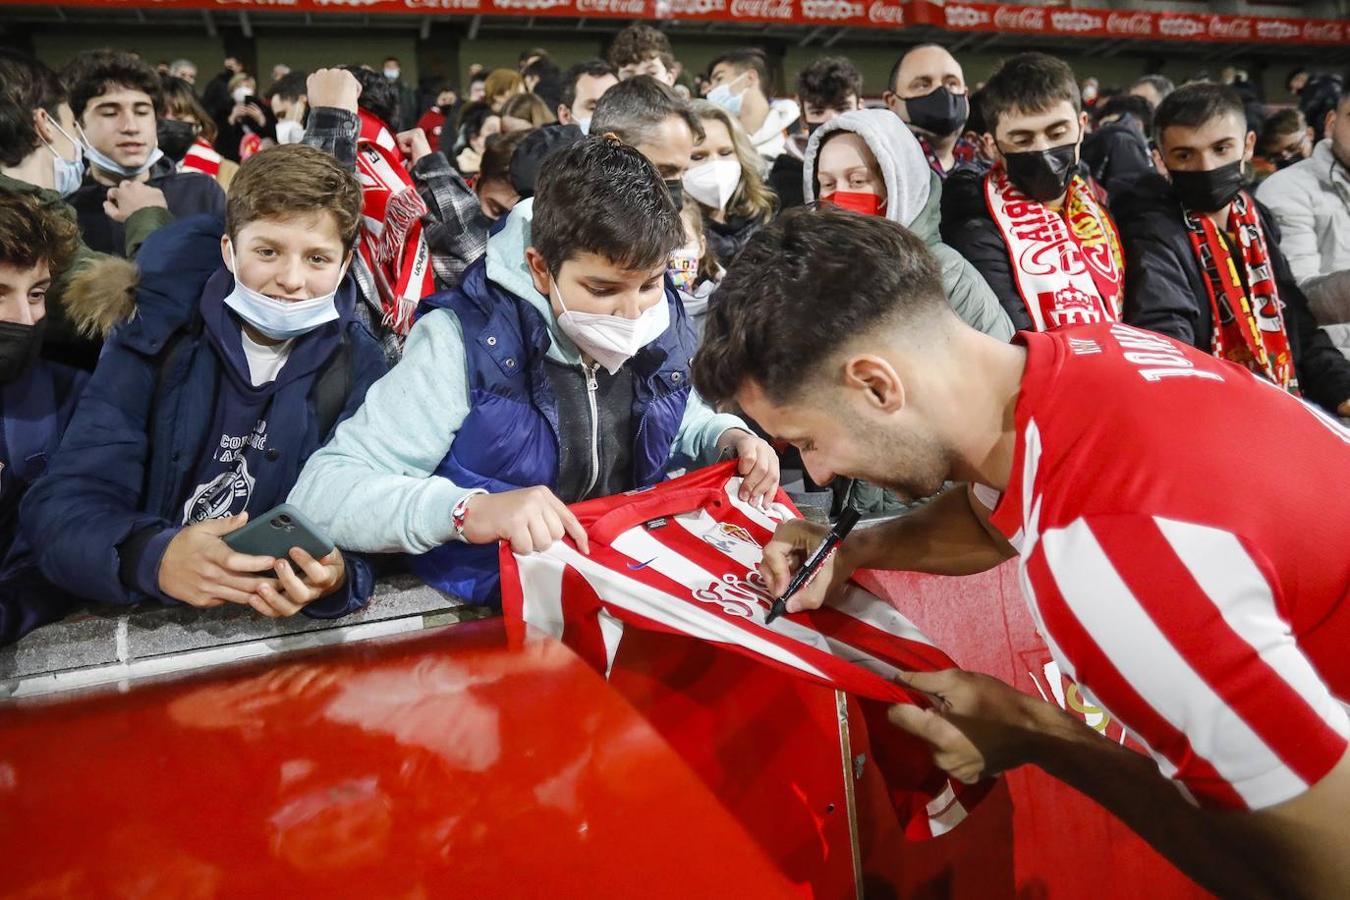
200,569
291,593
333,87
787,551
977,725
130,197
532,519
413,145
758,466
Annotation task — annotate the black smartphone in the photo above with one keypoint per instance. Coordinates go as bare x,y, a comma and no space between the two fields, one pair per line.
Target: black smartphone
275,532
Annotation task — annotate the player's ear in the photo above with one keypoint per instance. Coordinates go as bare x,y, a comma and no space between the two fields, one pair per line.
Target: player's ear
877,378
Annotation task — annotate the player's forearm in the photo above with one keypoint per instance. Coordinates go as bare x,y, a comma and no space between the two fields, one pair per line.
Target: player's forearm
942,538
1211,848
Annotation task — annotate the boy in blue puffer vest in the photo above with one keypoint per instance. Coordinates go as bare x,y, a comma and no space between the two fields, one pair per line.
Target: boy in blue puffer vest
558,371
243,353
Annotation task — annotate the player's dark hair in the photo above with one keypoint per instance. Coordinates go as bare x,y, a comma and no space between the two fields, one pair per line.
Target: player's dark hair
829,82
379,96
26,85
94,73
595,68
1030,82
633,109
1193,105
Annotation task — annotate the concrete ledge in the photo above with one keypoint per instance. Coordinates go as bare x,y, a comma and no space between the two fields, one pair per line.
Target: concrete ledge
105,644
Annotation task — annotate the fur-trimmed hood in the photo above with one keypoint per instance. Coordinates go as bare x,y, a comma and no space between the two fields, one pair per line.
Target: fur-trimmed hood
101,295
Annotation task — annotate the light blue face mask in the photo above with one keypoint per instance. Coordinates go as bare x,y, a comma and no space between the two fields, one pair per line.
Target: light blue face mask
722,96
107,164
67,174
280,320
584,125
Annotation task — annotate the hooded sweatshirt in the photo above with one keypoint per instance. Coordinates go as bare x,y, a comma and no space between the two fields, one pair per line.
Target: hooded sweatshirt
374,484
914,200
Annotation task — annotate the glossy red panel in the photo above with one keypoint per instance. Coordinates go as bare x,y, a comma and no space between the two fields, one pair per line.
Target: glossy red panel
441,765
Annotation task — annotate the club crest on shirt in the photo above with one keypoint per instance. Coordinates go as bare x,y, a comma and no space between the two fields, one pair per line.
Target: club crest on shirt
221,496
727,537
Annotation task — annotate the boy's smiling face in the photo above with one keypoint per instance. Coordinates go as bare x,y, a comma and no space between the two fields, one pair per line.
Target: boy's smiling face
590,283
295,258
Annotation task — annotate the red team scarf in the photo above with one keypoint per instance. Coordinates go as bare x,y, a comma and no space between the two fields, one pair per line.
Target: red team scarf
392,246
681,558
1069,268
201,157
1249,324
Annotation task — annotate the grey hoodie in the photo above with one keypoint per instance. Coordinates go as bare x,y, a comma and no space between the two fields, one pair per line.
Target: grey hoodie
914,200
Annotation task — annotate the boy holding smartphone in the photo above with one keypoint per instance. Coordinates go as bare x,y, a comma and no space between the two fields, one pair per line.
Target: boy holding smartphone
243,355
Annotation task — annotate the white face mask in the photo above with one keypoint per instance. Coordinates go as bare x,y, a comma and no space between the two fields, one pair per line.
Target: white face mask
280,320
289,132
391,74
612,340
584,125
713,183
240,94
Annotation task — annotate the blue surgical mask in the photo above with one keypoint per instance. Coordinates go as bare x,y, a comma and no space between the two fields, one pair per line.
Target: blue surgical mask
280,320
722,96
107,164
67,174
584,125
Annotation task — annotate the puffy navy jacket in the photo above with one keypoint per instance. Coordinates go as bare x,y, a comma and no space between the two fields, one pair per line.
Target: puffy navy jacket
118,484
510,438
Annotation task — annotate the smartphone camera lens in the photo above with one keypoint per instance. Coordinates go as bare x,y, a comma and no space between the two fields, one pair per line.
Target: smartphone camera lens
283,521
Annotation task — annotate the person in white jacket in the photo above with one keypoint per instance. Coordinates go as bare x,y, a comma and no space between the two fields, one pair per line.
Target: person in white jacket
739,83
1311,201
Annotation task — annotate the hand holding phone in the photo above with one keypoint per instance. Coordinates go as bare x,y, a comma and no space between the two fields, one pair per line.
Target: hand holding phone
308,566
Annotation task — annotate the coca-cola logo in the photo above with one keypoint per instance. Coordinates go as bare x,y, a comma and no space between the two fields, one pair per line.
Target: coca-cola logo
1180,26
1075,22
1323,31
1140,23
613,7
831,10
881,13
964,16
1019,18
1276,30
761,9
1230,29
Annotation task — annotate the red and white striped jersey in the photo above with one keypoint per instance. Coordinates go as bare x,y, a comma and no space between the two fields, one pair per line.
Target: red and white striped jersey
682,558
1184,530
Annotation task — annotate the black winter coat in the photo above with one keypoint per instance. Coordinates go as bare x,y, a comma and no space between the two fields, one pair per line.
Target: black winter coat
1165,289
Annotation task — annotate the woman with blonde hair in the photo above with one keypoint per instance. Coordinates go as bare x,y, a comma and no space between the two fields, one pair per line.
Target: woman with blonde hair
502,85
726,178
525,111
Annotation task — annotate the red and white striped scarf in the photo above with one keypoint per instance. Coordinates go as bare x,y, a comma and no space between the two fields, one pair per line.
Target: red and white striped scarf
682,558
392,245
1069,268
201,157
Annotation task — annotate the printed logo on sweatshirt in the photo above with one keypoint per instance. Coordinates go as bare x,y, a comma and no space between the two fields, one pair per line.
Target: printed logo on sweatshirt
228,492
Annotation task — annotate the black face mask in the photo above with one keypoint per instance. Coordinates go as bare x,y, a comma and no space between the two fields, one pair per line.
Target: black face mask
175,138
19,348
1208,191
939,112
1042,174
676,188
1286,160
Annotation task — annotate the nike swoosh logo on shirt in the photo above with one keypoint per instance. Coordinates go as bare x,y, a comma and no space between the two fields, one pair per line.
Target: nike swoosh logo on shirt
635,566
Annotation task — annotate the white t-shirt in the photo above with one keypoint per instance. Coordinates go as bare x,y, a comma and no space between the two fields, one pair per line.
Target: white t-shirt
264,361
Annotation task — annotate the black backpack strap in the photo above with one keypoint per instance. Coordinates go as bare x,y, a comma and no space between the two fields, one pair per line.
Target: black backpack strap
333,387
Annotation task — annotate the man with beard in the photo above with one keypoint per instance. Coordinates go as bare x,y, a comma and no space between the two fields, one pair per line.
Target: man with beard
928,92
1203,259
1192,585
1311,201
